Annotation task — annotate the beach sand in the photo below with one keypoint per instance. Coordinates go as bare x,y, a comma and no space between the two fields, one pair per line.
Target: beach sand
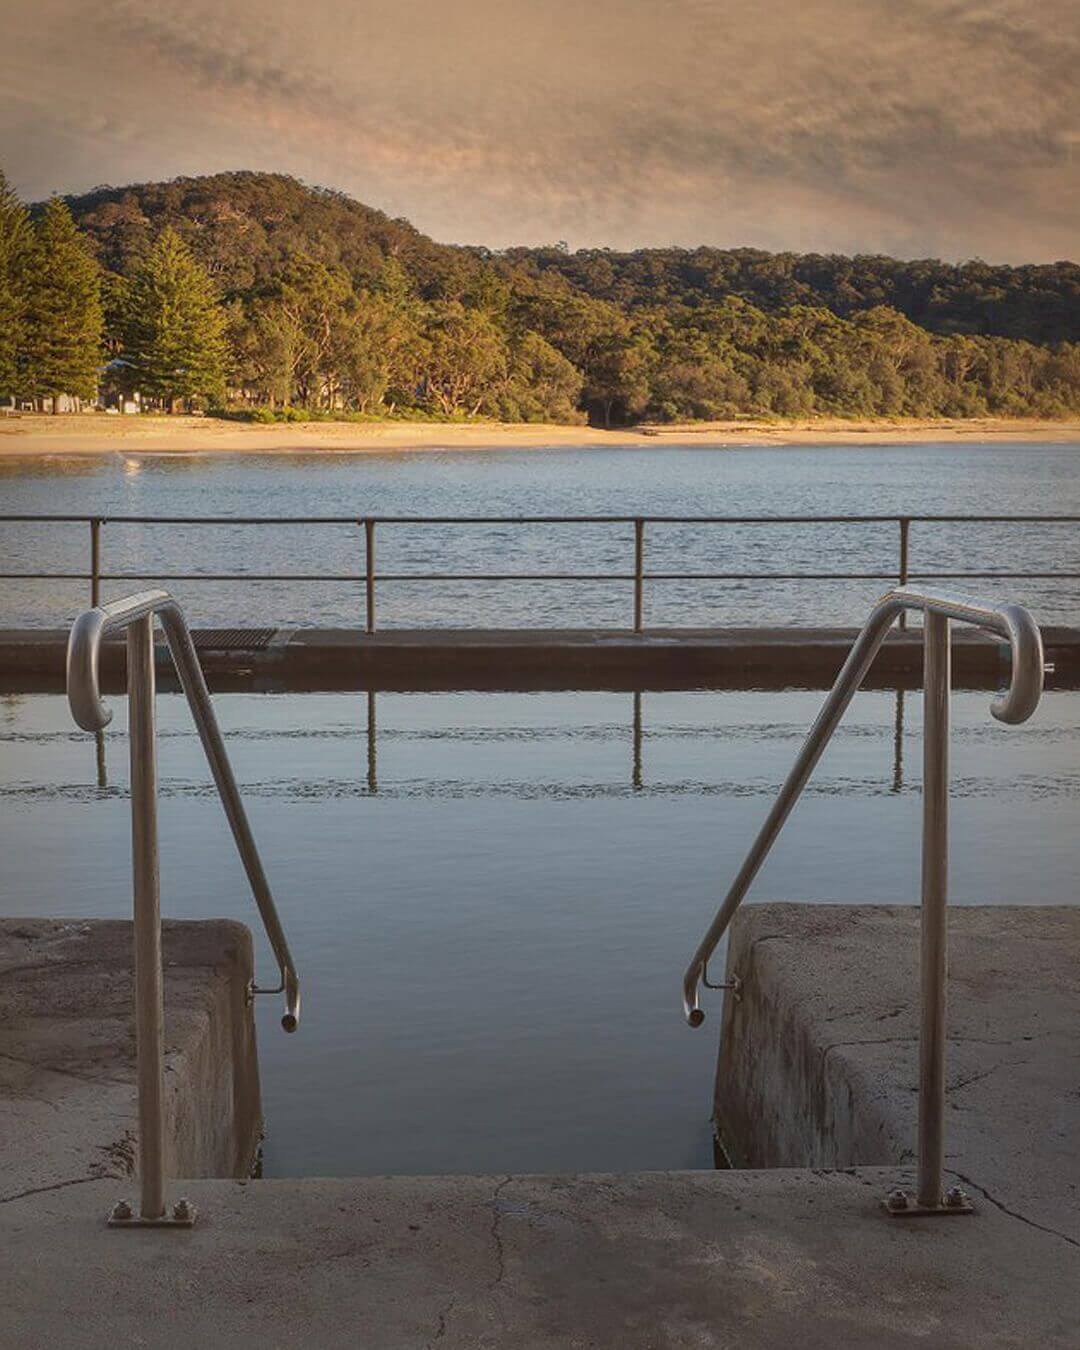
98,433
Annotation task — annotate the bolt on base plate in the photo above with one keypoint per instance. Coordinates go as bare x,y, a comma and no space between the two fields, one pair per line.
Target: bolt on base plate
182,1215
901,1205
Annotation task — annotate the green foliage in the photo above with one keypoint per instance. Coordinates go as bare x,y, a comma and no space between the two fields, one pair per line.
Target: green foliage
174,328
274,301
16,247
1038,302
59,346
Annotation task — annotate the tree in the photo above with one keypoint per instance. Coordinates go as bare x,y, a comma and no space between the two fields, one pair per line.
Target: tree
541,384
60,344
465,359
16,246
174,334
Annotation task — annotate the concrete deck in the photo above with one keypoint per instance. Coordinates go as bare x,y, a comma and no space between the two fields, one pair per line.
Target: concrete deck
325,658
668,1261
67,1041
819,1056
745,1260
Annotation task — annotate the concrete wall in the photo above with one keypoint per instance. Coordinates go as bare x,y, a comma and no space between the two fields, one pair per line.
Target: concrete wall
67,1051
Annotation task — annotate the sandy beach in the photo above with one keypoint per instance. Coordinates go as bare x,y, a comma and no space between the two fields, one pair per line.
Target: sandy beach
102,434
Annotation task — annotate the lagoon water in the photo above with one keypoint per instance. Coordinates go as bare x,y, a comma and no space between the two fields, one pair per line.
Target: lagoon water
668,480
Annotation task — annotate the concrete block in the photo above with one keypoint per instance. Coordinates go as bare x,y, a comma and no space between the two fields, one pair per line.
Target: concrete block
67,1051
818,1062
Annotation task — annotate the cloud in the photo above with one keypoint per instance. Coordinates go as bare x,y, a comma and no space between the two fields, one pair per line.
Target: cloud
937,126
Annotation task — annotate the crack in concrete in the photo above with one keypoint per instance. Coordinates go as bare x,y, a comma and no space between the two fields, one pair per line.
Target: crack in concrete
976,1077
40,1190
93,1081
500,1263
496,1233
881,1040
901,1040
440,1330
1014,1214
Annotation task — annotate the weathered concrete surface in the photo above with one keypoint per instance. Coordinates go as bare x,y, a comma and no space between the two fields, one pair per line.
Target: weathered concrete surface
666,1261
67,1051
819,1055
349,658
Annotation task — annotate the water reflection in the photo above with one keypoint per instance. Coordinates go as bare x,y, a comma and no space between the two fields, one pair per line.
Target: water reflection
637,738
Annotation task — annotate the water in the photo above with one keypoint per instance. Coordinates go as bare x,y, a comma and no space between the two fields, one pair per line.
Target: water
668,480
492,902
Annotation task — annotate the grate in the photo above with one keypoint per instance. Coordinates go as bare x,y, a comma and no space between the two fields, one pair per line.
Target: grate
232,639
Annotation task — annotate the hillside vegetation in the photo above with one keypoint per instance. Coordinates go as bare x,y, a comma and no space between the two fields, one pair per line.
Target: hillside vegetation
254,293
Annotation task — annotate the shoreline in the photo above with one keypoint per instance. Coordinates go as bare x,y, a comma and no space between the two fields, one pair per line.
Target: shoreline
35,435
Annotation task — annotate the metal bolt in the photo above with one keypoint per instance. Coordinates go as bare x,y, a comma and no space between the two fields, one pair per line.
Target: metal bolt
121,1210
955,1198
182,1211
897,1200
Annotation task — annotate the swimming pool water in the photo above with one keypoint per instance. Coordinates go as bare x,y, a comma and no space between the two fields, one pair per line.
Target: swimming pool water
492,899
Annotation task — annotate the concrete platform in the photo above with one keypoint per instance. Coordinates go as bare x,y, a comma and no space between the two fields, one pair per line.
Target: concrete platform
819,1056
67,1041
324,658
667,1261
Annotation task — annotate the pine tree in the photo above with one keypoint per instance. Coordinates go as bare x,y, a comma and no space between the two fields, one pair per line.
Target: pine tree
174,340
60,347
16,246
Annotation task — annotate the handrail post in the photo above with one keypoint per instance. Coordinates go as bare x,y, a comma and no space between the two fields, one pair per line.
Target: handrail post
95,561
369,573
935,895
149,980
639,573
905,529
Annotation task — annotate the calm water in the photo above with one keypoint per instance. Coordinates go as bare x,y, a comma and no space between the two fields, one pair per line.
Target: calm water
492,902
917,479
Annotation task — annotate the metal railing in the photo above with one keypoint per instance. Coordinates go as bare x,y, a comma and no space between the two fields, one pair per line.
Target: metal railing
368,577
1020,700
136,614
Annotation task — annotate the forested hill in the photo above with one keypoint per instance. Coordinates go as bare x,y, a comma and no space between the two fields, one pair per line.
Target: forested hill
1039,302
247,228
253,293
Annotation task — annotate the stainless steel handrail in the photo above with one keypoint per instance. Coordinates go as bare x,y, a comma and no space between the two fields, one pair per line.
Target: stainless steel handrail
136,614
1015,705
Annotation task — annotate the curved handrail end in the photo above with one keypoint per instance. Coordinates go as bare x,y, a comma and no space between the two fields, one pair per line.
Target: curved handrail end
83,687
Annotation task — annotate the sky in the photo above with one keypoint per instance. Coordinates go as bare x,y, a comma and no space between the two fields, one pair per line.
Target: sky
913,127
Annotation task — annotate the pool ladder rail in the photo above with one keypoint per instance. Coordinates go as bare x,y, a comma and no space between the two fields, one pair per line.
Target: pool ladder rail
1015,705
136,615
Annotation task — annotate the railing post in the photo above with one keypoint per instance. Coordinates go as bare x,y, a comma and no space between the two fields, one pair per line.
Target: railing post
639,573
149,982
905,528
95,561
935,896
369,573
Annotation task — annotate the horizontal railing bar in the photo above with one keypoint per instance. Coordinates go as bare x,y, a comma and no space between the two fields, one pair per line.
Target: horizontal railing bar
351,577
26,517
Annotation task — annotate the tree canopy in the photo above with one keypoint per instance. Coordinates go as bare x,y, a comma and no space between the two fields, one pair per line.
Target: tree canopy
252,291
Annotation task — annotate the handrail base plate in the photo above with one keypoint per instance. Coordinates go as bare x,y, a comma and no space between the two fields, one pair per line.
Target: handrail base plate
182,1215
900,1205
